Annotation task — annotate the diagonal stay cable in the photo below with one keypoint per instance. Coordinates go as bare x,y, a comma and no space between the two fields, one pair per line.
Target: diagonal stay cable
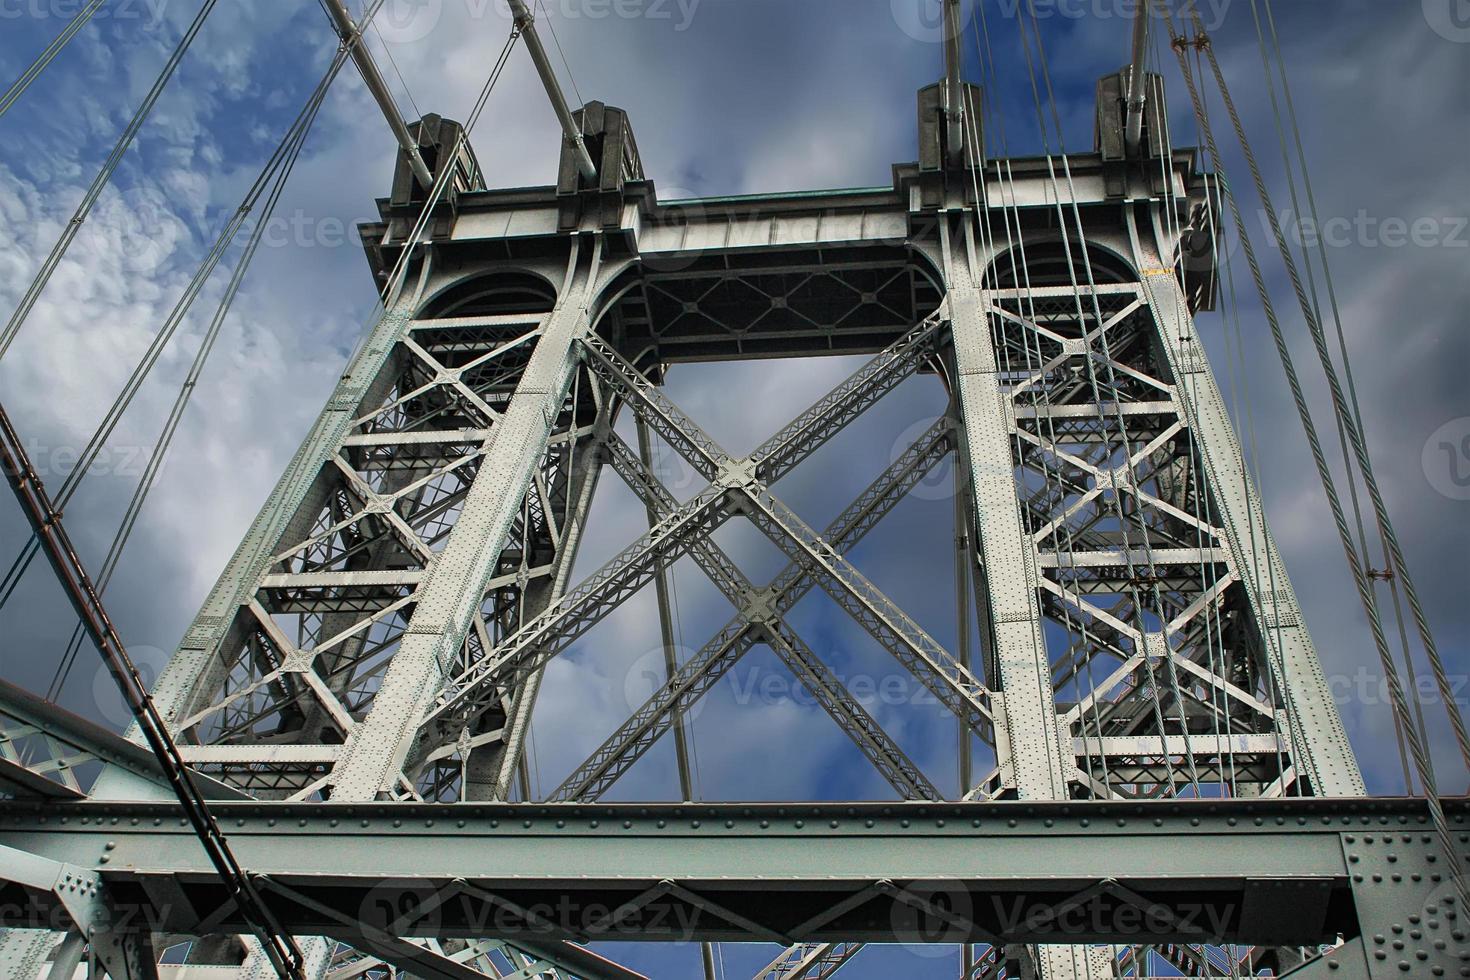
279,946
175,318
1347,420
100,182
1397,571
19,86
1398,700
296,139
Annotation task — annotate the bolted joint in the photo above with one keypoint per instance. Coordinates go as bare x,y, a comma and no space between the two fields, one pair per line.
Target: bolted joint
737,474
760,609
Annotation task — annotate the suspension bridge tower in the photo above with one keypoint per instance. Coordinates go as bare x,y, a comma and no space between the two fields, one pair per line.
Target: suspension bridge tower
1147,726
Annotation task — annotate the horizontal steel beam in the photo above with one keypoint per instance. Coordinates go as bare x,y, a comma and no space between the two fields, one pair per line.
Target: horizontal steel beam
75,741
1269,872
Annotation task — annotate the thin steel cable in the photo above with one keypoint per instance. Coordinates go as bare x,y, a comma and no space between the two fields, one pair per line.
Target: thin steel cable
1289,169
1116,495
296,139
1021,273
1216,654
19,86
1042,669
171,324
1218,703
1278,677
1189,398
394,63
1395,562
1355,435
1396,691
1251,468
560,53
278,945
1016,246
104,176
395,283
1116,503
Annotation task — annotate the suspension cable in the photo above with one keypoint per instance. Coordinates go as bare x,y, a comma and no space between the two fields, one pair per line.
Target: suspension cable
1039,394
1346,419
1214,640
1398,701
1092,378
1395,567
18,87
176,316
279,946
295,139
89,199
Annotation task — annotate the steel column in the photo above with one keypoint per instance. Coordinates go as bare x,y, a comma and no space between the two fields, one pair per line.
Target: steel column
1311,708
449,601
1028,742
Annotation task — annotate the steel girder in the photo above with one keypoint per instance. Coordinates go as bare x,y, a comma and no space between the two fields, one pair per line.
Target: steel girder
1308,707
452,456
894,630
948,680
299,639
469,430
811,960
449,601
49,752
1263,872
1030,758
1109,521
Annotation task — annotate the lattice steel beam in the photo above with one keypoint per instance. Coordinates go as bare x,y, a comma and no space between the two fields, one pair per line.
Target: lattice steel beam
1283,872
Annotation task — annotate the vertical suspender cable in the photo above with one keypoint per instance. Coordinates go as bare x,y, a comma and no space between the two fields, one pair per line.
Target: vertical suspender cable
1397,570
1396,691
1348,422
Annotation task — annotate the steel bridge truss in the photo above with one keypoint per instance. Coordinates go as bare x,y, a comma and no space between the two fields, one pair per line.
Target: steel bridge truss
379,639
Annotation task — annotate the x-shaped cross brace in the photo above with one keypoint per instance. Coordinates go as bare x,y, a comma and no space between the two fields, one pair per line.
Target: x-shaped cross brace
736,485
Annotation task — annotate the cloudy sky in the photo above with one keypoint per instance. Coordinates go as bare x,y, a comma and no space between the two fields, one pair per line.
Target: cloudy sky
727,97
